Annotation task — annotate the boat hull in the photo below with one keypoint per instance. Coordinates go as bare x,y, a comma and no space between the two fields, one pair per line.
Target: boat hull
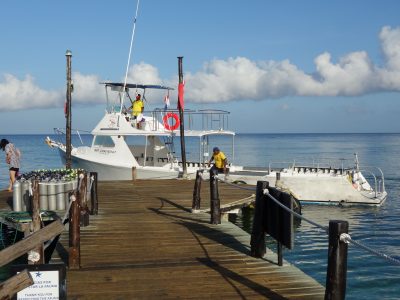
315,188
107,172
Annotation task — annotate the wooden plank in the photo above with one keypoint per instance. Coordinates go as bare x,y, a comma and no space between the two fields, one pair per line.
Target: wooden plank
146,243
15,284
46,233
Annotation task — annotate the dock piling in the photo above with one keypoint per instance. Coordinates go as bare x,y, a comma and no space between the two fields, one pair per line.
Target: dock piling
214,198
257,242
36,224
337,261
94,200
84,220
196,191
74,257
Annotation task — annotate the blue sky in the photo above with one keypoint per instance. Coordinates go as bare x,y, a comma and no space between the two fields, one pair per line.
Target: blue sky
277,66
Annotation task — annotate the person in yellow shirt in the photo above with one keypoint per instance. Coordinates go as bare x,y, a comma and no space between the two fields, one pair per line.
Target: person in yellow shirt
220,160
137,110
137,106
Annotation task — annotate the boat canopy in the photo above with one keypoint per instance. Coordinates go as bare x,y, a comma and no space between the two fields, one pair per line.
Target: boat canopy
136,86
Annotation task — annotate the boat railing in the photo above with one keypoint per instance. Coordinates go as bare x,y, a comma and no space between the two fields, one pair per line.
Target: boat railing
375,181
315,164
279,165
209,119
380,187
61,132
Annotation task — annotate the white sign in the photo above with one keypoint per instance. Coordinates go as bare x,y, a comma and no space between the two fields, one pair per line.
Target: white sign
45,287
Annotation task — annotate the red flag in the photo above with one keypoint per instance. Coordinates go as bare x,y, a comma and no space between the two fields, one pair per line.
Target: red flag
65,109
180,95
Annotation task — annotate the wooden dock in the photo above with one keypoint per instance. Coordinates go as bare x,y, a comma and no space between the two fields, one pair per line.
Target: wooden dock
146,244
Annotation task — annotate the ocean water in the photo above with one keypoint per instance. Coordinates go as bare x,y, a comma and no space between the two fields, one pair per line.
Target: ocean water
368,277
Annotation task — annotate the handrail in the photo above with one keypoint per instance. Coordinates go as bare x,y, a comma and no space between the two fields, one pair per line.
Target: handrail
316,163
59,131
324,228
376,185
382,176
279,162
210,119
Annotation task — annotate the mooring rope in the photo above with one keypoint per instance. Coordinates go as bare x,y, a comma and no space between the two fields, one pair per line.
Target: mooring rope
347,239
235,185
344,237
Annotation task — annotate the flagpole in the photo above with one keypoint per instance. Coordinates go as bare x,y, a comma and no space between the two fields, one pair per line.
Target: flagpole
68,161
181,118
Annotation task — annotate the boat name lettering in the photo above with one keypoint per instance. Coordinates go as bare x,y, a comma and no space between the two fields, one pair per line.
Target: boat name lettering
104,151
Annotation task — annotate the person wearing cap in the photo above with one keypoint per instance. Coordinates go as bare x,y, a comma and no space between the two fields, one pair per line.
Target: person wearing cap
137,109
137,106
13,160
220,160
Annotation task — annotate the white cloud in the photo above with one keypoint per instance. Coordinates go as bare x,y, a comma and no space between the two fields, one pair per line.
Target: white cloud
236,78
143,73
87,89
354,74
16,94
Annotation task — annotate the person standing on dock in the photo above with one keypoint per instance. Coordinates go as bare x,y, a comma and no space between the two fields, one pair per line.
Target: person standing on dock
13,160
220,160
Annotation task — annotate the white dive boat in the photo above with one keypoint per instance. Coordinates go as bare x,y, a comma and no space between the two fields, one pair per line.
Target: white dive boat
115,153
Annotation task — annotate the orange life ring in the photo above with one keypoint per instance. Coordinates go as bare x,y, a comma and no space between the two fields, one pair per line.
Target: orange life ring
167,125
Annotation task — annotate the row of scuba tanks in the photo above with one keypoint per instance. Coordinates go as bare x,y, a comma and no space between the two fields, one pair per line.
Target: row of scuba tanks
54,188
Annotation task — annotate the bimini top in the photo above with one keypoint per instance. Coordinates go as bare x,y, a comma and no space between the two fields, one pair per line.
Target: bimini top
136,86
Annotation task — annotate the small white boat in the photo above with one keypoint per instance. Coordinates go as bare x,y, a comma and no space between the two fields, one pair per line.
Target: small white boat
323,183
116,153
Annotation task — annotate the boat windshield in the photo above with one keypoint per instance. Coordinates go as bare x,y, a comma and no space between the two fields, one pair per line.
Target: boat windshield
103,141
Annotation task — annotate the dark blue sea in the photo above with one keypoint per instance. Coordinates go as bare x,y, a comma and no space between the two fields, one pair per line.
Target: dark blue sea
368,277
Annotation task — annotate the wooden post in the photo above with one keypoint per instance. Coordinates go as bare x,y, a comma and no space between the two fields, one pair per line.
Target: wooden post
15,284
134,173
214,198
337,261
36,226
197,191
279,248
257,242
84,220
74,257
94,207
280,254
68,116
181,117
278,179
